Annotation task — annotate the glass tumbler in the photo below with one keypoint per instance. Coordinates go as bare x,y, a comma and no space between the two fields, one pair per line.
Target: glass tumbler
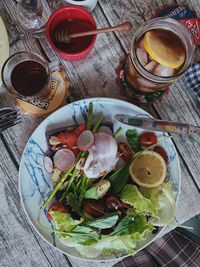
161,51
33,15
26,74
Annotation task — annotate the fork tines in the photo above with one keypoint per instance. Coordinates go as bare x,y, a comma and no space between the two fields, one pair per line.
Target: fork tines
9,112
9,124
8,117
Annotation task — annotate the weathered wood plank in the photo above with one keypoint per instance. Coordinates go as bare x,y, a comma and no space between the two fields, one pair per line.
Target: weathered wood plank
20,245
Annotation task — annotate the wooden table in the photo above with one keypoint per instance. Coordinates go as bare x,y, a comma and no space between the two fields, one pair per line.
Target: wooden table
20,245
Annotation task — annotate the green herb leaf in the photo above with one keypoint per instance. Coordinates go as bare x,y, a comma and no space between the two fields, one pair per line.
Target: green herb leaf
74,203
71,179
122,227
63,178
91,193
104,222
135,227
133,140
83,235
83,186
119,178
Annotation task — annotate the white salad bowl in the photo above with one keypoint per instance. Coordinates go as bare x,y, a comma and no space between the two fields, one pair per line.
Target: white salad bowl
34,181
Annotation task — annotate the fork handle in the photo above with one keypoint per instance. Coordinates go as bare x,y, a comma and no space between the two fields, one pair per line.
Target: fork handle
194,129
126,26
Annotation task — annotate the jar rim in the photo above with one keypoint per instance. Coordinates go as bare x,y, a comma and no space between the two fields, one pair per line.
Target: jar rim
173,26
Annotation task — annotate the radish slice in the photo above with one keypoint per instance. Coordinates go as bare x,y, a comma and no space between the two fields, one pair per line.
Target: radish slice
64,159
105,129
48,164
85,140
105,145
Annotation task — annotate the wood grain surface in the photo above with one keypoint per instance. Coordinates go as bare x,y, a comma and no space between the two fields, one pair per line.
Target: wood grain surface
94,76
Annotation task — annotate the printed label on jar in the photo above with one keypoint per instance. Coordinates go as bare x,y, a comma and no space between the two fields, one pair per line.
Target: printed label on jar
184,15
137,97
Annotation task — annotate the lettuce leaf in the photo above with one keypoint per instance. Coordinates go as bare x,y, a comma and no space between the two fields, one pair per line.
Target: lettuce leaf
123,239
132,196
163,200
106,246
63,221
65,226
91,193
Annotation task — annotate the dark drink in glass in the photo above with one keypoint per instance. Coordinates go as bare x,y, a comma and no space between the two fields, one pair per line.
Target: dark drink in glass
29,78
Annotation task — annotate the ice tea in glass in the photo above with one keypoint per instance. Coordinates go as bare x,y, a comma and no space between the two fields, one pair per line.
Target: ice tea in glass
161,51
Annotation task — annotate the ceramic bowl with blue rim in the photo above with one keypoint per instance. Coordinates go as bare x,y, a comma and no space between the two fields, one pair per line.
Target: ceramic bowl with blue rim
35,184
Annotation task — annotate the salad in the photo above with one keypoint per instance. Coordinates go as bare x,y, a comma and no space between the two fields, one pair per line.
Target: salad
107,194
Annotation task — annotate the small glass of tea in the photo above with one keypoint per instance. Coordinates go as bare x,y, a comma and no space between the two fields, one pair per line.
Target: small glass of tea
161,51
26,74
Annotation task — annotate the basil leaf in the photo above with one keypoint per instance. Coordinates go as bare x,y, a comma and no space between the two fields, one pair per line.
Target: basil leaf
133,140
83,235
137,226
103,222
122,227
119,178
91,193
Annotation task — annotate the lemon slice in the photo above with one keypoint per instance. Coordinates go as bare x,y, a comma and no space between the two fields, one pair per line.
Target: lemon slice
148,169
165,48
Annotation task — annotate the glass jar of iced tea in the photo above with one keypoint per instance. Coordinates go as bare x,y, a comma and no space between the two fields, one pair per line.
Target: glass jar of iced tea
161,51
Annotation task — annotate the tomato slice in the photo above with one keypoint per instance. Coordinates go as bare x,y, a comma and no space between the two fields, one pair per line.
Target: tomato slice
160,150
72,140
70,137
56,207
147,139
63,137
80,129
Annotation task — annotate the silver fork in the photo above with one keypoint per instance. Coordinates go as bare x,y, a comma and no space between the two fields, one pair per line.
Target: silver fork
8,118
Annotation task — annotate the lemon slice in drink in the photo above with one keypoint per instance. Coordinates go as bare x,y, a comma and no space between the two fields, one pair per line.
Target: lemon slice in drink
148,169
165,48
